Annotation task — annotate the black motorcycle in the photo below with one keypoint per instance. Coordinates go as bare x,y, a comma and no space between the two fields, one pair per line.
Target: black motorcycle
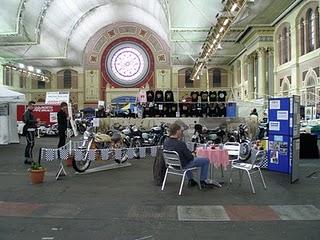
241,136
203,135
153,137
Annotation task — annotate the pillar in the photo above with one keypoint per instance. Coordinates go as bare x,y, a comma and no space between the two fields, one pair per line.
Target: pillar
261,72
250,61
270,72
243,77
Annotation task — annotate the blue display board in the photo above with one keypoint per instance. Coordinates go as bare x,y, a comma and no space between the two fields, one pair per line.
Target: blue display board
280,113
231,110
279,153
284,128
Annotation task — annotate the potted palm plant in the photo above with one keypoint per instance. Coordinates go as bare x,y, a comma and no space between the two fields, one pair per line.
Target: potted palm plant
36,173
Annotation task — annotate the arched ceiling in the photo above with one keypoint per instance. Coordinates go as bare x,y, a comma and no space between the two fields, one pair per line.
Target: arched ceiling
55,32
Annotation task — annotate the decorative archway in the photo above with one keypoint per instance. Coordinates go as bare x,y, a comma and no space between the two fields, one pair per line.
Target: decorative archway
285,87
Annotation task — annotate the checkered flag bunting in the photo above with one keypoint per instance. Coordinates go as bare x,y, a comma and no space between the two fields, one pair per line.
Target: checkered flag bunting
64,153
130,153
104,154
154,151
50,154
142,152
91,155
117,154
78,156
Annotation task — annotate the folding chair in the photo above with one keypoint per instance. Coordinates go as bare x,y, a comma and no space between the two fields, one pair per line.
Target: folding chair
251,168
233,149
173,163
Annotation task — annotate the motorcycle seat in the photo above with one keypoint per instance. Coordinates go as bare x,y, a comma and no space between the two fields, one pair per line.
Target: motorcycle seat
102,138
145,131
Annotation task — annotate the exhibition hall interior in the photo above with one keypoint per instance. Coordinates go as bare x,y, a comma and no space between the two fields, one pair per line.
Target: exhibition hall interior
159,119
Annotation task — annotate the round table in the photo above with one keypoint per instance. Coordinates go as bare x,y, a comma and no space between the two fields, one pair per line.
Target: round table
218,157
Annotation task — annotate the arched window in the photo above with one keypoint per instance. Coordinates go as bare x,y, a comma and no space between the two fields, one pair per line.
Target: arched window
187,80
311,91
317,27
302,37
285,88
216,77
279,49
285,45
311,30
285,40
67,80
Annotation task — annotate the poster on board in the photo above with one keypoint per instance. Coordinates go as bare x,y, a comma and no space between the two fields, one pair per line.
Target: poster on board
274,104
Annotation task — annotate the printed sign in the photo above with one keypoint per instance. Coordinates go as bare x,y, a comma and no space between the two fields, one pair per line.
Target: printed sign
4,110
101,103
55,98
274,104
43,108
96,122
278,138
282,115
274,126
53,117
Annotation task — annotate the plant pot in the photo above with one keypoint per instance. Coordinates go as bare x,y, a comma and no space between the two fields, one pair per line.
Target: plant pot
37,176
69,161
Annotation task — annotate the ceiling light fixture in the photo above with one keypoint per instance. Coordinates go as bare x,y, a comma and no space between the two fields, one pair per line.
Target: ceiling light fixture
30,68
234,7
21,65
231,11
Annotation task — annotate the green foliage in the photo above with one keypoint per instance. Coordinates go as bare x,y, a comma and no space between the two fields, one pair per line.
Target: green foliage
36,166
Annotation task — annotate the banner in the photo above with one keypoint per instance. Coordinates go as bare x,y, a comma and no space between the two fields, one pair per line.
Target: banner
55,98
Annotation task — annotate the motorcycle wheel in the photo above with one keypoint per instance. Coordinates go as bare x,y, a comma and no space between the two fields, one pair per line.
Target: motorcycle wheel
80,166
83,165
245,151
124,155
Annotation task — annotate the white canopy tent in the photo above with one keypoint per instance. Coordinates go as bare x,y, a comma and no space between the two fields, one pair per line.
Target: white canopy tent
8,115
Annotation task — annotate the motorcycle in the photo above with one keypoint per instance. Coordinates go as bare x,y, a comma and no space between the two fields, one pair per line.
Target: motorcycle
241,136
112,140
263,130
204,135
48,130
153,137
81,125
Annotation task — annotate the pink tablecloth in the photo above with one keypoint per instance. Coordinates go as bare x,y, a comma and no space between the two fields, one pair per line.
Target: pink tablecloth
216,156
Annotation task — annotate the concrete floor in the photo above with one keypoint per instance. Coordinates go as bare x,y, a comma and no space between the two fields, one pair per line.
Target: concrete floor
125,204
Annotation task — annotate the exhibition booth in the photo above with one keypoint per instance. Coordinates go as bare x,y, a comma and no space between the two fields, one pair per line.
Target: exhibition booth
8,115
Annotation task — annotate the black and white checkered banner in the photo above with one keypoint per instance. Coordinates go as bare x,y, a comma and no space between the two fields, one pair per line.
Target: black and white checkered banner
80,154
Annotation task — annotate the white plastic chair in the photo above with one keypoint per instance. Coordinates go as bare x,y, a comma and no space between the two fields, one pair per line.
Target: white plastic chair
233,149
174,167
251,168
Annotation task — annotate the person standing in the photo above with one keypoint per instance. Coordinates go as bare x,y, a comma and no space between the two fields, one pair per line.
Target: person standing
29,130
62,123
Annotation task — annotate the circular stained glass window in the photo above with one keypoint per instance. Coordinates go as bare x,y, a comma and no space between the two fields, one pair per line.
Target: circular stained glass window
127,64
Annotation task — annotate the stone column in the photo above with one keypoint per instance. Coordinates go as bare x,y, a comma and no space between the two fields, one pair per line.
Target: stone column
270,72
244,75
250,62
261,72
